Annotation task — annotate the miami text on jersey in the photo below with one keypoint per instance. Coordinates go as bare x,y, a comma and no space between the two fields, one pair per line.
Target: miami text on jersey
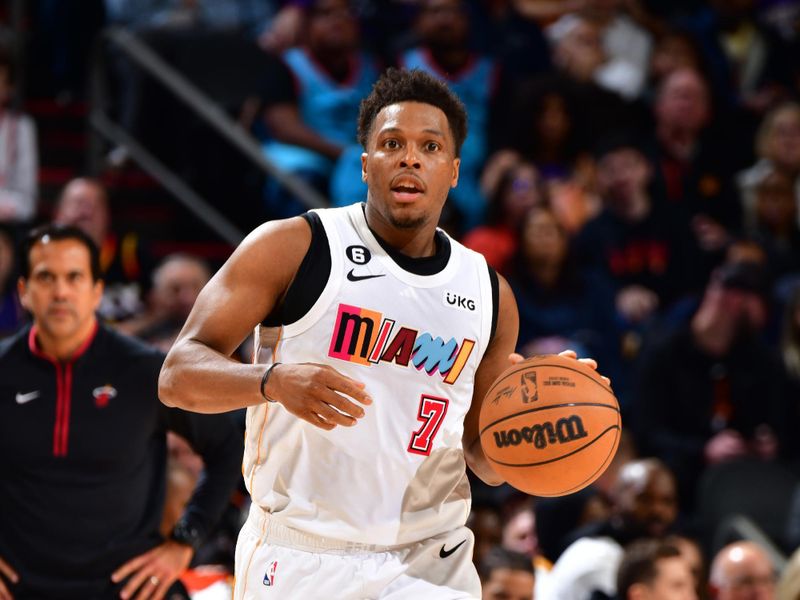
365,336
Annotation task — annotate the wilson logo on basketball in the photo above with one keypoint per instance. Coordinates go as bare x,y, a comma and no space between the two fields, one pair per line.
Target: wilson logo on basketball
565,430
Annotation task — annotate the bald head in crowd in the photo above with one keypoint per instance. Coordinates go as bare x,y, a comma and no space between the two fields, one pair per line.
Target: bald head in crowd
84,204
742,571
176,283
645,497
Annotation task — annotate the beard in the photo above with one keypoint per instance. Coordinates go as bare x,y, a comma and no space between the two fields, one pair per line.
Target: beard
406,222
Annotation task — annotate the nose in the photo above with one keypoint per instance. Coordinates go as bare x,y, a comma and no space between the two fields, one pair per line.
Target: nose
409,159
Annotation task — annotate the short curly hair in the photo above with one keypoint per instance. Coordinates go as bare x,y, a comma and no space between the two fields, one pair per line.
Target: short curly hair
403,85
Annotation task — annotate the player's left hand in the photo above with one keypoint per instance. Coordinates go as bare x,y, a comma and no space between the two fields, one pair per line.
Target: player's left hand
514,358
153,572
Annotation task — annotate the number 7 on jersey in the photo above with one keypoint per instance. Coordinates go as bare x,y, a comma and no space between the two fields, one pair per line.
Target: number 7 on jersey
431,414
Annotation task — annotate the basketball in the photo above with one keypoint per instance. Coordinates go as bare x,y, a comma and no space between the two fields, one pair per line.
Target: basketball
550,425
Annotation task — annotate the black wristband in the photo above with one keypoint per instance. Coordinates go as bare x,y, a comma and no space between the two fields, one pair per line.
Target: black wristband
186,534
265,379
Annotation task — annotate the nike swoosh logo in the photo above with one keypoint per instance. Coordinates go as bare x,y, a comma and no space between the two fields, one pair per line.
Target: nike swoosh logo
23,398
445,553
353,277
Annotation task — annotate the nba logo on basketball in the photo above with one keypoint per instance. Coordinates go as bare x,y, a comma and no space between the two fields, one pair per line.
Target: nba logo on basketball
269,576
530,391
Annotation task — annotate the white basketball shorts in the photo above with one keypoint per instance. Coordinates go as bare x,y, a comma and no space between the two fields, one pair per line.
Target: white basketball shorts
275,561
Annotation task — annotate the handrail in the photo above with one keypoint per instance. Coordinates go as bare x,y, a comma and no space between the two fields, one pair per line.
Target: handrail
140,53
188,197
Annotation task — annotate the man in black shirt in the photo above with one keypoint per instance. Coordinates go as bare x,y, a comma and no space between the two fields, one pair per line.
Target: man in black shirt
83,437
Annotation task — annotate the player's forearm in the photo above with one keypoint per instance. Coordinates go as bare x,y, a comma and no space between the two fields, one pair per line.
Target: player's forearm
196,378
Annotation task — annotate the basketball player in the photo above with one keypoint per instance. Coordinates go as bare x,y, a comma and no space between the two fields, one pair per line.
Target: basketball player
359,430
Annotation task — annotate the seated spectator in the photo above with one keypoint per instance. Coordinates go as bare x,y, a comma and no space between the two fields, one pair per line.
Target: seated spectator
19,161
444,28
311,109
11,313
559,305
644,504
176,283
748,62
712,390
774,222
692,553
519,188
693,171
506,575
742,570
778,149
632,239
123,261
654,570
626,46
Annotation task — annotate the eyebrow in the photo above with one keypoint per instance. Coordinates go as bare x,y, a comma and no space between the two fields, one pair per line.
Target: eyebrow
397,129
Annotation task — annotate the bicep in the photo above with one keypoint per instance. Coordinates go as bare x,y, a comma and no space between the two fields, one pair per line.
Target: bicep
495,360
248,286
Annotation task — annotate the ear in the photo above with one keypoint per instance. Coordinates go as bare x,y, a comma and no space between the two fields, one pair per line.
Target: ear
456,167
22,290
364,157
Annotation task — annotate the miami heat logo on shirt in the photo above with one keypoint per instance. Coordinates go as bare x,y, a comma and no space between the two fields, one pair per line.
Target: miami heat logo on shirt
366,337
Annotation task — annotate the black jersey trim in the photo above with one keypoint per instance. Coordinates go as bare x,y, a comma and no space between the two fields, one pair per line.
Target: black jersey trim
495,300
310,280
424,265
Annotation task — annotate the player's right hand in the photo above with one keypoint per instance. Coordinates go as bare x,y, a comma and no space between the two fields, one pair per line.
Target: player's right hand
11,575
317,394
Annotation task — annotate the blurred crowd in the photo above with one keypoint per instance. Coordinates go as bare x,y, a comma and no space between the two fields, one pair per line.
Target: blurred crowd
632,168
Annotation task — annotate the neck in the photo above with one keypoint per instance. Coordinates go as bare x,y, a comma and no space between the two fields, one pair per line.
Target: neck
416,242
64,349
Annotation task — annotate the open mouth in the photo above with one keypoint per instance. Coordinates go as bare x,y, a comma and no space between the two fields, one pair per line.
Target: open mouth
407,190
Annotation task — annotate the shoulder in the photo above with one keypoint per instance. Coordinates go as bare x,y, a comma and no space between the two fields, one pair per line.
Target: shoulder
117,345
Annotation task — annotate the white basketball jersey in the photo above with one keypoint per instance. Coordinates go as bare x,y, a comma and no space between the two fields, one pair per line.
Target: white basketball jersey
398,475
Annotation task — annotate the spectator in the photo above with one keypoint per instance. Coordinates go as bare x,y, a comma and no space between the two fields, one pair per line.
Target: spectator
104,459
559,305
19,162
713,390
444,27
519,188
626,46
11,313
654,570
176,283
644,504
693,555
123,261
693,171
774,222
742,570
778,149
311,108
632,239
507,575
673,50
790,336
748,62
